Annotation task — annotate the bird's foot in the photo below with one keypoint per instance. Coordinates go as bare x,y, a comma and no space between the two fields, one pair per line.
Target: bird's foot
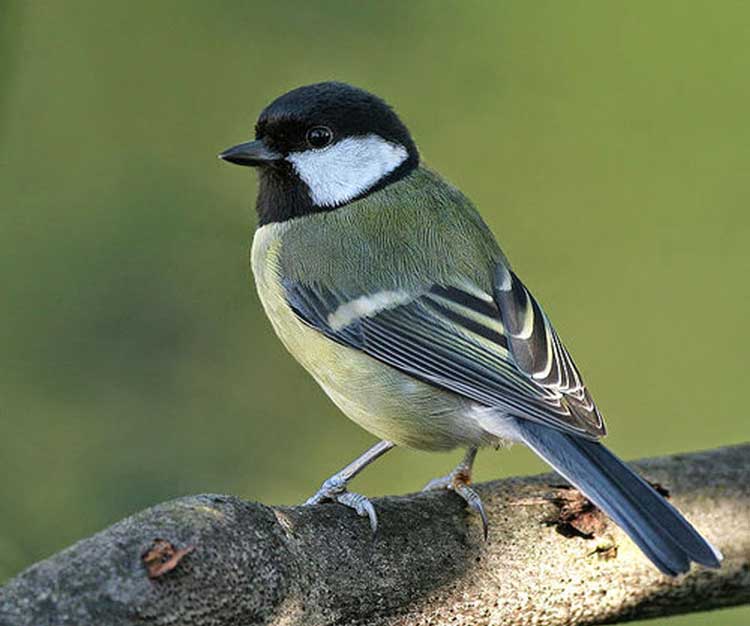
458,481
334,490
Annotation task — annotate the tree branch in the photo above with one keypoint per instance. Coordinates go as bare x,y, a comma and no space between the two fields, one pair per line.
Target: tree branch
223,561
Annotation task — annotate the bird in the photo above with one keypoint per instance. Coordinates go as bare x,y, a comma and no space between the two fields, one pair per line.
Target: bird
383,281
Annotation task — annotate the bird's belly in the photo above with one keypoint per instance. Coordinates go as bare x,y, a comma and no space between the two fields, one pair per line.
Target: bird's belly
381,399
394,406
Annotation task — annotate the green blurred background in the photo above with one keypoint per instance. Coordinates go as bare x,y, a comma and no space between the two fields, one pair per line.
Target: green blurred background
606,143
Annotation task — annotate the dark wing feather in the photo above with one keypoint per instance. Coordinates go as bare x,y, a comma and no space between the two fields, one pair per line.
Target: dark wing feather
449,337
538,352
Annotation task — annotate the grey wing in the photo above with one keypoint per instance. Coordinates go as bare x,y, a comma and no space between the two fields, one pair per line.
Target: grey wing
451,337
538,352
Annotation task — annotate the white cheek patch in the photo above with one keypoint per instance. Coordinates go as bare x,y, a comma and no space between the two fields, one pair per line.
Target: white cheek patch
344,170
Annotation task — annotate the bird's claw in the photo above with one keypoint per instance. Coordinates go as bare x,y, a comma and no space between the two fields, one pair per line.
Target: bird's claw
458,481
475,502
361,505
334,490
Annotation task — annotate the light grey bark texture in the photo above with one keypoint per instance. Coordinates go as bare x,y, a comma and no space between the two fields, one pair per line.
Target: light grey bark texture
253,564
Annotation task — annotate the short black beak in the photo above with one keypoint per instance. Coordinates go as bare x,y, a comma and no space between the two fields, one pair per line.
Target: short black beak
250,154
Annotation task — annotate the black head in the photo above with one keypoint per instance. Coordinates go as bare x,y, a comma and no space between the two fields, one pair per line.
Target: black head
322,146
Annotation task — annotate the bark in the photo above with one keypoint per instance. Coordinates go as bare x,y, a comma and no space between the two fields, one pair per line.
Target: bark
214,560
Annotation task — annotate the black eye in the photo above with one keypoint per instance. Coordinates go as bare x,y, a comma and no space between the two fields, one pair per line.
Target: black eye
319,137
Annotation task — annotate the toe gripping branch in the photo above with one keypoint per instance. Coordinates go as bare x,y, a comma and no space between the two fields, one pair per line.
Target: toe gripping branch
458,481
334,489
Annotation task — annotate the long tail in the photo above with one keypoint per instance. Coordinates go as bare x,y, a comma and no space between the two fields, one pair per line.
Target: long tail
658,529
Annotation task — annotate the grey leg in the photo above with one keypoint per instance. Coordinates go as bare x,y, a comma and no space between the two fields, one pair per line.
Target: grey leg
334,489
459,480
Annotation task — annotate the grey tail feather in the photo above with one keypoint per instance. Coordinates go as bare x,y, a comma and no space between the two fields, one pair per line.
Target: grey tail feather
658,528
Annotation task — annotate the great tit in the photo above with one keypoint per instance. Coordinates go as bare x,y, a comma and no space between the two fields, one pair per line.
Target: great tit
384,282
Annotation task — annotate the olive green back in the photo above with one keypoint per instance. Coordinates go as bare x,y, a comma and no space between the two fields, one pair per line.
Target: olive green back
415,232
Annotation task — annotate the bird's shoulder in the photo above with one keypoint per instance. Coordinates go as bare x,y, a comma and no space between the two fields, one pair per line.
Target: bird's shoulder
420,230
